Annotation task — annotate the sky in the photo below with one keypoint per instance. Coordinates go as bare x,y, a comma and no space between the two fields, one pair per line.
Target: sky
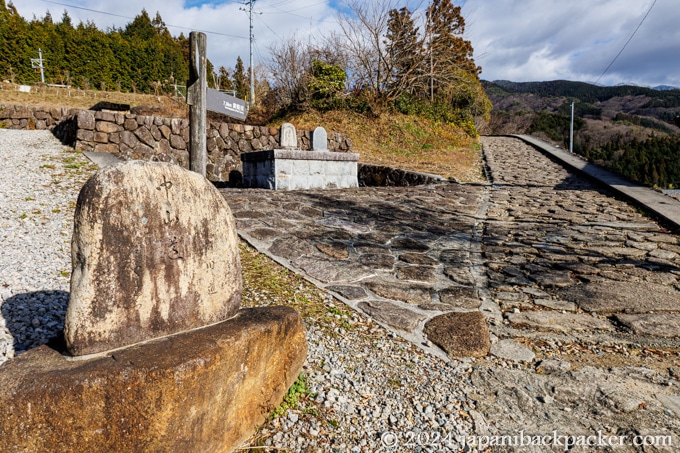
518,40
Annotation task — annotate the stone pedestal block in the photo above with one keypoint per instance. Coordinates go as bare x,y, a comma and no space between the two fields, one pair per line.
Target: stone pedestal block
285,169
205,390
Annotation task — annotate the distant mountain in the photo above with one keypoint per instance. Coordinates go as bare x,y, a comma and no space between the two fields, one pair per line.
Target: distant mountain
585,92
665,87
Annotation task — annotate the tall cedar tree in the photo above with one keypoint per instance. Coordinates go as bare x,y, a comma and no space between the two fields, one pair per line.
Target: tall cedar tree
448,52
240,80
223,80
404,53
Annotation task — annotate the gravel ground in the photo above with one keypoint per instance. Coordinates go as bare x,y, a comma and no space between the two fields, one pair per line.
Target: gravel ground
364,389
39,183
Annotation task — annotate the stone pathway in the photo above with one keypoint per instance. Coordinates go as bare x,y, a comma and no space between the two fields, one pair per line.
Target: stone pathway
575,293
563,255
402,255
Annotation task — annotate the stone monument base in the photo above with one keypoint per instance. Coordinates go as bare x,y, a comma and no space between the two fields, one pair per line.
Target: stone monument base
286,169
203,390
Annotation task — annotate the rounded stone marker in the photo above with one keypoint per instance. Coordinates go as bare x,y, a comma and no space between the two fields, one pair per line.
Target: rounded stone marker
154,252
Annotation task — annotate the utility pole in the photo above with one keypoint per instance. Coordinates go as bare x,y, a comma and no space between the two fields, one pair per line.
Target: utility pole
571,130
250,4
37,63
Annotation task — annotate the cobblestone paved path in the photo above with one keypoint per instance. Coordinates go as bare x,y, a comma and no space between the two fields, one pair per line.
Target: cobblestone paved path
402,255
563,255
588,285
576,293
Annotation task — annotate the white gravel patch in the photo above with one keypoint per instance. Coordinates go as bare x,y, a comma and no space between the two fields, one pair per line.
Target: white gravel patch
38,191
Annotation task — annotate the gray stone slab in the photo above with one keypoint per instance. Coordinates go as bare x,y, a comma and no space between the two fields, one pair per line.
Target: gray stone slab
556,304
155,252
615,297
350,292
417,273
103,159
561,322
670,402
319,139
411,293
511,350
460,297
654,324
331,271
297,154
291,247
392,314
288,136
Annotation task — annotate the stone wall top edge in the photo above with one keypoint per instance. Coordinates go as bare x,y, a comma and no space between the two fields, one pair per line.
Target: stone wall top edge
297,154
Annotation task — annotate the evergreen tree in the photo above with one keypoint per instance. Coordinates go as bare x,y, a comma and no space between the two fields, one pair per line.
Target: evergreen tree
448,53
223,80
404,53
240,82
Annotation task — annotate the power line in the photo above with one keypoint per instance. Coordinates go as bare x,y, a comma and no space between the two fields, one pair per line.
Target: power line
626,44
132,18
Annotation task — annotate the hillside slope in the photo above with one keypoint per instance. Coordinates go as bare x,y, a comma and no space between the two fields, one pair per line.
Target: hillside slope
634,130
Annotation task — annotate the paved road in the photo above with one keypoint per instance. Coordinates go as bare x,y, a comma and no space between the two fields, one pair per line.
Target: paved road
562,274
541,249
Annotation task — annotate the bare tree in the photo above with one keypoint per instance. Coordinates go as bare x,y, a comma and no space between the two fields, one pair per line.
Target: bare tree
363,29
289,69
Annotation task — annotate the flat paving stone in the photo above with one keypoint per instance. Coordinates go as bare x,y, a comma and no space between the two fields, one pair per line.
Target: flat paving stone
417,258
392,314
337,250
654,324
511,350
556,304
350,292
459,274
405,243
417,273
560,322
460,297
264,234
291,247
460,334
412,294
615,296
377,260
332,271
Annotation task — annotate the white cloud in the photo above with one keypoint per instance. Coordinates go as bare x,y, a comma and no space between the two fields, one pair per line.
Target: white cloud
576,40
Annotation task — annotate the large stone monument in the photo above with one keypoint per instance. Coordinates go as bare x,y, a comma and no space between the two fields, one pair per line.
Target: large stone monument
172,363
154,252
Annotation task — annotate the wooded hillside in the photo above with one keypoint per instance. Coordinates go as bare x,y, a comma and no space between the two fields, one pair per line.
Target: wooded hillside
632,130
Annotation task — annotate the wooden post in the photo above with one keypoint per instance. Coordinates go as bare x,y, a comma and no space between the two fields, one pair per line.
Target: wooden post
196,98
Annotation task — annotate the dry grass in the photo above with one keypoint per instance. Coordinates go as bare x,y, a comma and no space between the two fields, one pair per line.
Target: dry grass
85,99
405,142
394,140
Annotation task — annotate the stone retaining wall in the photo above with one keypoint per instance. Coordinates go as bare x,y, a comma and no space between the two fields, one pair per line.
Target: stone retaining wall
381,176
29,117
156,138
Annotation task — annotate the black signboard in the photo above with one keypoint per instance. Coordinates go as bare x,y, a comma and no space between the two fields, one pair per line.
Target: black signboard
225,104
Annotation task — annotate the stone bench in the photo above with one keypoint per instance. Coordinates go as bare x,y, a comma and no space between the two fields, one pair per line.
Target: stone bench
290,169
